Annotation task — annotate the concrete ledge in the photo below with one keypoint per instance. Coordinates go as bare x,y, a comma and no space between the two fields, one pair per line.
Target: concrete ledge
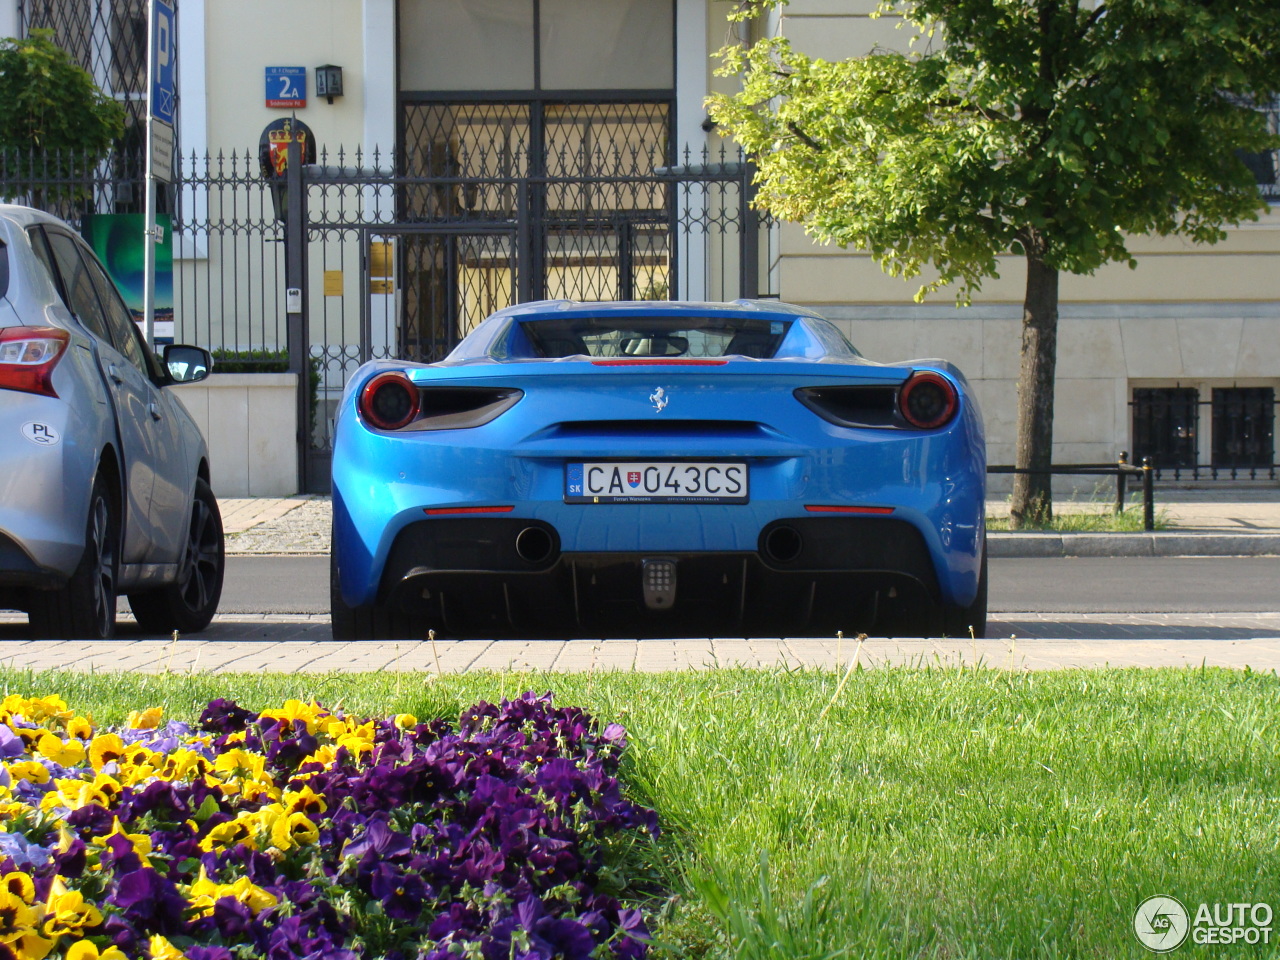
249,421
1164,544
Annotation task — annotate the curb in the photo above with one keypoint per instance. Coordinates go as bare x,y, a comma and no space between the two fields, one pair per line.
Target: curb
1022,545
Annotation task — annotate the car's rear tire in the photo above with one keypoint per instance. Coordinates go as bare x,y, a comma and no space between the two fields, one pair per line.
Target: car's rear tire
369,622
189,603
958,621
85,609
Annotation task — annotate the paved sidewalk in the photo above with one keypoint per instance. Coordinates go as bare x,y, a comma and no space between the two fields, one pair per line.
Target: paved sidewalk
1232,521
301,644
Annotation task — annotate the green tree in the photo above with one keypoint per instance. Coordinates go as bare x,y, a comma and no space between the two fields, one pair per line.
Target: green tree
54,121
1050,129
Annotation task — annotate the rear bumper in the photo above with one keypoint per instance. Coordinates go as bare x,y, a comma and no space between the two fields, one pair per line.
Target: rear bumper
931,483
44,491
807,576
19,570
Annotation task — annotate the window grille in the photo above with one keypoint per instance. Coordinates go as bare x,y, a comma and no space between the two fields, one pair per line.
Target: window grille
1164,426
1244,427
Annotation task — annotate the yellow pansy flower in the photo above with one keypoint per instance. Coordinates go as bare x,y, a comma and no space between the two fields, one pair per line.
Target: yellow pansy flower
161,949
147,719
110,787
308,713
305,801
406,721
105,748
30,770
336,727
38,709
140,842
204,894
182,764
80,727
19,885
239,830
359,740
18,931
324,756
74,794
85,950
241,763
254,790
69,753
294,829
67,911
29,735
11,809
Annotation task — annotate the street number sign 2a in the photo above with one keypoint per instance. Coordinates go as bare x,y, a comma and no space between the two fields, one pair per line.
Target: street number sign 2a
286,86
163,62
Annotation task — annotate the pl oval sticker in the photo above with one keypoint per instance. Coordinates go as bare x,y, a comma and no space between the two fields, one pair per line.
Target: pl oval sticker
40,433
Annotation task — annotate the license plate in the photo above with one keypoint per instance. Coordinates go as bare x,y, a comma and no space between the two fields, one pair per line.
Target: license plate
656,481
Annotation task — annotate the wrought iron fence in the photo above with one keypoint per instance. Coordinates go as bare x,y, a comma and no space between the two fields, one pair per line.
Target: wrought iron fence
1170,422
1122,470
394,260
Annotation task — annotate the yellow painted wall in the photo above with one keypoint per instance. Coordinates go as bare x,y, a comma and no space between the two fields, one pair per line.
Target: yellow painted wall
245,36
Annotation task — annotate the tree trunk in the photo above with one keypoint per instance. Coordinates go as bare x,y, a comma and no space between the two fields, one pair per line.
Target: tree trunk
1032,493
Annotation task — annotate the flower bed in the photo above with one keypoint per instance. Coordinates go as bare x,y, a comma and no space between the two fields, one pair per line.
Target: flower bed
304,833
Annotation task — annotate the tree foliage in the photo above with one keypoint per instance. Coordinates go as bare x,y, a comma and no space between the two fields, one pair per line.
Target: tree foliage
1051,129
54,121
1043,127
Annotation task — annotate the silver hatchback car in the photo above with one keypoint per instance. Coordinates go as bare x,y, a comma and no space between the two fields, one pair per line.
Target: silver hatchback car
104,476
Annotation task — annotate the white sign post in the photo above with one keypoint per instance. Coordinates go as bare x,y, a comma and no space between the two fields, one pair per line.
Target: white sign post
161,64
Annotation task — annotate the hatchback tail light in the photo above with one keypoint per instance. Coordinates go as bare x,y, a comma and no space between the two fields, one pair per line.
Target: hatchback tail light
28,356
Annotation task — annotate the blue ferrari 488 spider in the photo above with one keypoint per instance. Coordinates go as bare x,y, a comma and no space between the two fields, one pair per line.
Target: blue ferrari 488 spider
657,469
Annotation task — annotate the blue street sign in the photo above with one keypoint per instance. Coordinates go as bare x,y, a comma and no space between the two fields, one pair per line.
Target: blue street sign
286,86
163,61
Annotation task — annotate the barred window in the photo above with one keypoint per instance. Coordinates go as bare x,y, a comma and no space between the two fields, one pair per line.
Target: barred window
1244,427
1164,425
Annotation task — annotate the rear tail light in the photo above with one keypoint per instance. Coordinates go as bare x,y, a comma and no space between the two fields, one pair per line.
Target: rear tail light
28,356
927,400
389,401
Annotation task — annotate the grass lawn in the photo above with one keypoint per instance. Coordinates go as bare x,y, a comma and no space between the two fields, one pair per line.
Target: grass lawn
1098,518
936,813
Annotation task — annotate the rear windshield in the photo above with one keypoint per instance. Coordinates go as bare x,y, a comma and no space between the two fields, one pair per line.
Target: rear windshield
655,336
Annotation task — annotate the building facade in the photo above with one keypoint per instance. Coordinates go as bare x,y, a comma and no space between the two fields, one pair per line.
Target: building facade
484,151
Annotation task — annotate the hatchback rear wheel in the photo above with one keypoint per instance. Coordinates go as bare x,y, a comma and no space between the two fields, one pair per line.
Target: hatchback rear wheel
189,603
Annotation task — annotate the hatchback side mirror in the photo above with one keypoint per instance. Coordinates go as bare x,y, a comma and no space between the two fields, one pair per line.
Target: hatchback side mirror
187,364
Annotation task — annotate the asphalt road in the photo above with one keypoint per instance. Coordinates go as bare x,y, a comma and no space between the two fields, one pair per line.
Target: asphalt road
1068,585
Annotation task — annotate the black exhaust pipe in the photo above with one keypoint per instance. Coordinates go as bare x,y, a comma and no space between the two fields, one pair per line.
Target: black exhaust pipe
534,545
783,544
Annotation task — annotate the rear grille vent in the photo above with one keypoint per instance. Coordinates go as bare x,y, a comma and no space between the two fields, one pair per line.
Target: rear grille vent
711,429
859,406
